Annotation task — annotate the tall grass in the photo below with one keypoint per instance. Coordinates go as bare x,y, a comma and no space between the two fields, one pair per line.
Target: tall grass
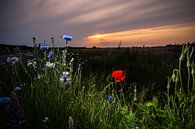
49,103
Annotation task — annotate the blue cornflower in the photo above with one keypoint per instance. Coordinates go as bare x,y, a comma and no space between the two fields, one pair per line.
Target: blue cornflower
67,37
4,100
110,98
17,88
44,46
12,60
65,77
50,55
31,63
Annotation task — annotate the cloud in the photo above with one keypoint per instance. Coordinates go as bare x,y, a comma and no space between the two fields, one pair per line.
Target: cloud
156,36
21,19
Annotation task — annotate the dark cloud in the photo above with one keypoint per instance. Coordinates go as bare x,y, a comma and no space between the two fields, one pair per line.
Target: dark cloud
21,19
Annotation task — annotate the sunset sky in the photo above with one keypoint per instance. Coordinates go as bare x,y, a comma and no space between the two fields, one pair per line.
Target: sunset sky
102,23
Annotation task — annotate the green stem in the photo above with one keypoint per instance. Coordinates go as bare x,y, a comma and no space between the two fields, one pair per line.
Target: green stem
45,55
168,87
188,67
180,77
188,79
26,71
193,78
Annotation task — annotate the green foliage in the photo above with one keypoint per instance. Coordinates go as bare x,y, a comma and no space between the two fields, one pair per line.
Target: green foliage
181,101
50,103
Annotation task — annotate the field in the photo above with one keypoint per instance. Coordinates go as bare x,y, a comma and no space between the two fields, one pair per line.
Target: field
98,88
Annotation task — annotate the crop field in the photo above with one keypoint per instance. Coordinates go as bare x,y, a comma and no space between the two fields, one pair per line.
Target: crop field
98,88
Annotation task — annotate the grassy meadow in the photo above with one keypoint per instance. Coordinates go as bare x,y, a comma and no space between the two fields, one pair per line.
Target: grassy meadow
75,88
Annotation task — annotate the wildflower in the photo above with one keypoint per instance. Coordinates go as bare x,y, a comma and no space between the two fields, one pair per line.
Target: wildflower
9,59
31,63
12,60
50,55
44,46
45,122
46,119
118,75
65,73
110,98
65,77
67,37
39,76
17,88
50,65
61,79
4,100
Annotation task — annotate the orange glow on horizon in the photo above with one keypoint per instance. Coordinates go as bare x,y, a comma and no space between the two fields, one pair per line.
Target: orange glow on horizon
150,36
98,36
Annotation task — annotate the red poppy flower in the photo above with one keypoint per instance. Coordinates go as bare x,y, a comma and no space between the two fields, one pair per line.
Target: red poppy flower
118,75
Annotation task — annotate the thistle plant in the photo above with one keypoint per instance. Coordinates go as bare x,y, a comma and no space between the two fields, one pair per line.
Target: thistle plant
181,102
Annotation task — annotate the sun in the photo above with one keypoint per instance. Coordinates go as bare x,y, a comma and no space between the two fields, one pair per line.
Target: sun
97,36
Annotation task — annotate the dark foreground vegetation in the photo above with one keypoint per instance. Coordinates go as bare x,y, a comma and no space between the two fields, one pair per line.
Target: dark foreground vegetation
80,92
